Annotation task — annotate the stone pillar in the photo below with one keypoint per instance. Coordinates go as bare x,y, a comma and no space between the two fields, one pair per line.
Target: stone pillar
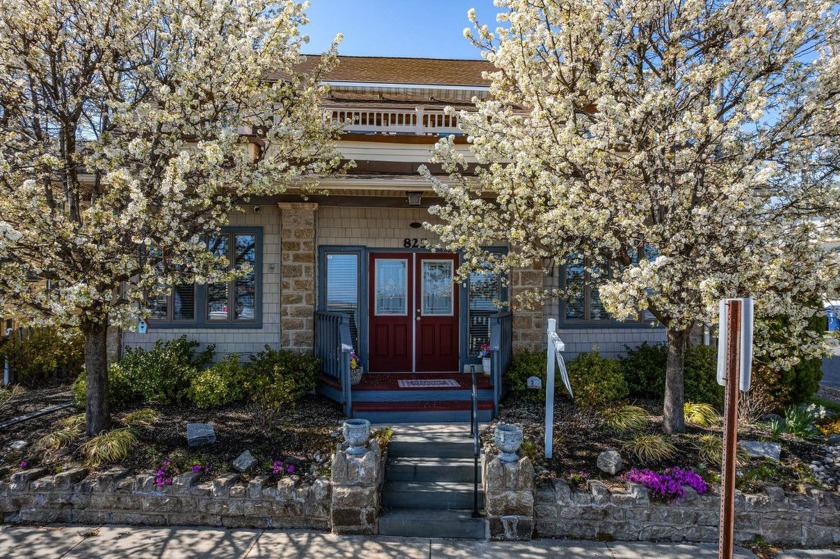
528,319
355,490
297,275
509,498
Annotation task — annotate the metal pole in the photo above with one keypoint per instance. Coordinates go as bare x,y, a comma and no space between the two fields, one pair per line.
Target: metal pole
549,389
730,429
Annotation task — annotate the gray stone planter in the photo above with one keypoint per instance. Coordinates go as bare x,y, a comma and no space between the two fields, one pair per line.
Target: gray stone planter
356,433
508,438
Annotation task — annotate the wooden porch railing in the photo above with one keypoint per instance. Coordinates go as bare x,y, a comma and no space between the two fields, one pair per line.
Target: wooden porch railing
333,345
501,352
417,121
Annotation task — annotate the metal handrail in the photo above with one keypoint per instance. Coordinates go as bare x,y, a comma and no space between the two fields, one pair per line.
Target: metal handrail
476,442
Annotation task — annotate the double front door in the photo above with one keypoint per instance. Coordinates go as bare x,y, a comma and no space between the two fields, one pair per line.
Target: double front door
413,315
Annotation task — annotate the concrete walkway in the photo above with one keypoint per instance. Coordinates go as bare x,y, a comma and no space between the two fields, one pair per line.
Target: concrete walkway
189,543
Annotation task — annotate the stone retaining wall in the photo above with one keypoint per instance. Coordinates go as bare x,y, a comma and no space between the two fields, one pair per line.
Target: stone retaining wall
115,497
811,519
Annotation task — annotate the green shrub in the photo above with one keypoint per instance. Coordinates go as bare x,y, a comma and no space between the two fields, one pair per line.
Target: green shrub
796,385
278,379
221,384
161,375
121,390
596,381
643,368
43,355
528,364
701,376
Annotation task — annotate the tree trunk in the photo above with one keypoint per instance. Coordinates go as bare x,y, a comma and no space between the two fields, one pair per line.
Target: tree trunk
673,413
97,412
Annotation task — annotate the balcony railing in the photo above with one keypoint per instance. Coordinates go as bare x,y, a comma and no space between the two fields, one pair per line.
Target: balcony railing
417,122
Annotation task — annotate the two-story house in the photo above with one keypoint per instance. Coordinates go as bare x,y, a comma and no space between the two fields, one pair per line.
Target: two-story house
357,255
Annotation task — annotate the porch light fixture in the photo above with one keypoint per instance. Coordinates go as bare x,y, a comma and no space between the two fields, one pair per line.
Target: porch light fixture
414,198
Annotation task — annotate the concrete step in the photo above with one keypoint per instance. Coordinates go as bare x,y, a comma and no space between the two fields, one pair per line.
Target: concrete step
430,495
452,411
399,448
411,468
423,523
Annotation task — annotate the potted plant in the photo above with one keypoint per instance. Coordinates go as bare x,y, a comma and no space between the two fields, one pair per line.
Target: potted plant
484,354
356,368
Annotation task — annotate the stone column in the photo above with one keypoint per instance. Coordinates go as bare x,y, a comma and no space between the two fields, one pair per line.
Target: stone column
509,498
528,319
297,275
355,490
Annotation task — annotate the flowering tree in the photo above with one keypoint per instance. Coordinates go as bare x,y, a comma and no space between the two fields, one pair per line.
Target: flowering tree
677,146
129,131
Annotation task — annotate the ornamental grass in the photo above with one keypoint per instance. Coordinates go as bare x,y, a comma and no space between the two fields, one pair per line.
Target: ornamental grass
624,418
701,414
109,447
650,448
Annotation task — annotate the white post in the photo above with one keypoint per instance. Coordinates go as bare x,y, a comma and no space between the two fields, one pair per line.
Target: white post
6,373
418,126
549,390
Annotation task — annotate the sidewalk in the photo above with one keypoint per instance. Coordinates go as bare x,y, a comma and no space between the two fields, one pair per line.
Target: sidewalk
216,543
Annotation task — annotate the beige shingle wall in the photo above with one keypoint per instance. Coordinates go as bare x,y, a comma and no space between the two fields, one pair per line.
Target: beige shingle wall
371,227
382,228
238,340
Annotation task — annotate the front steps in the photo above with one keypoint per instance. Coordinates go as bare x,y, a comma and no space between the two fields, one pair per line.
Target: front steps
379,399
428,489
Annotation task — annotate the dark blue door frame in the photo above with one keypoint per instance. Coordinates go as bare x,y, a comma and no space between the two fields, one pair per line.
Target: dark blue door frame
363,253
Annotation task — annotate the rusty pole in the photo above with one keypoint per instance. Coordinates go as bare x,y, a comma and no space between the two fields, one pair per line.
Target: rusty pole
730,429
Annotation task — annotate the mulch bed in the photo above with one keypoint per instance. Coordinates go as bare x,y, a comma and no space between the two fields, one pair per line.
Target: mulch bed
580,436
31,400
303,437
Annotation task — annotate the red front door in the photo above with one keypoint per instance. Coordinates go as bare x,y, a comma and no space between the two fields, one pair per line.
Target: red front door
391,330
413,313
436,312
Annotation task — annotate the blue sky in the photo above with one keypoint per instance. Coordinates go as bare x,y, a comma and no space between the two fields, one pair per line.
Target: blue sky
416,28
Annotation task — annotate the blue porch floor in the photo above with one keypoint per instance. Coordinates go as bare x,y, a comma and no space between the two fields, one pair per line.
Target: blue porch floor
380,399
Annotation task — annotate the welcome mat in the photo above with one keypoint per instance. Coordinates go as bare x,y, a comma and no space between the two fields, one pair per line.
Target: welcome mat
428,383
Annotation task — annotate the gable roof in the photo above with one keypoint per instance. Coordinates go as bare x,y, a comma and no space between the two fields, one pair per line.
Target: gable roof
394,70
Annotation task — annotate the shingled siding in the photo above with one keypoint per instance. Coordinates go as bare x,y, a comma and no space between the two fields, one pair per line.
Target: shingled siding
244,340
289,268
610,341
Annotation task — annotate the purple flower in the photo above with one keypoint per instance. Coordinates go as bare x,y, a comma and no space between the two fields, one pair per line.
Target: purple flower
23,463
196,469
290,469
668,485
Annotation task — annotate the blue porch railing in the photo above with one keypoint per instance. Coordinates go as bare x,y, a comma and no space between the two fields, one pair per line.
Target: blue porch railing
333,345
501,352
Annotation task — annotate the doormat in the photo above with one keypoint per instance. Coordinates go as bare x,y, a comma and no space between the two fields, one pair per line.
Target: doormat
428,383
